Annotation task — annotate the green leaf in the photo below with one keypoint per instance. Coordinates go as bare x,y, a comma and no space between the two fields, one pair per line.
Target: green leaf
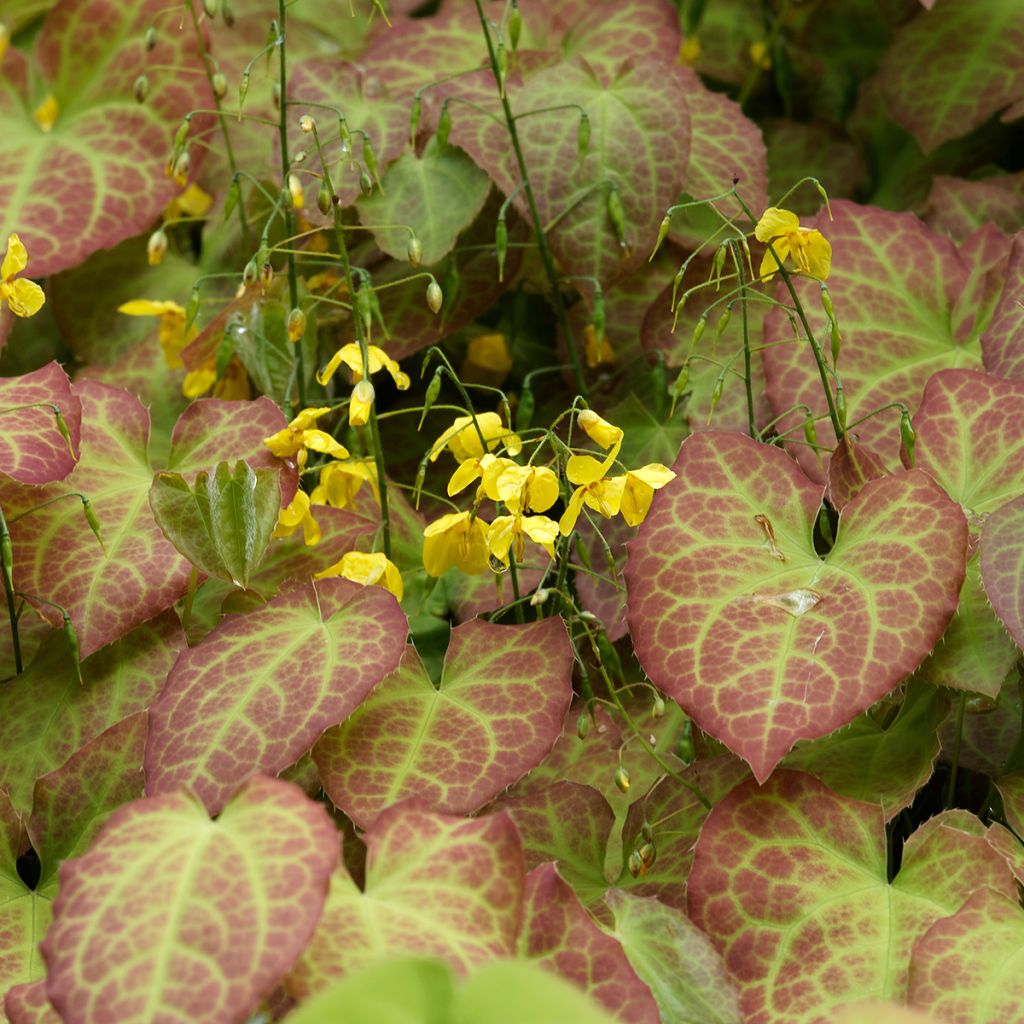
260,872
437,194
222,522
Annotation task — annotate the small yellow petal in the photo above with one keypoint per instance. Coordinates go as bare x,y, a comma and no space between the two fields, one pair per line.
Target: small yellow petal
46,113
15,259
583,469
198,382
360,404
542,531
321,441
24,297
150,307
774,222
324,375
572,512
769,264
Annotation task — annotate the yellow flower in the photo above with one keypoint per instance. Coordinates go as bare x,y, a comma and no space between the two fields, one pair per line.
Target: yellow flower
352,358
233,386
808,247
23,297
594,489
488,360
463,438
360,404
299,437
295,515
369,570
689,51
340,482
597,355
759,55
172,327
455,539
524,488
488,467
638,490
599,430
508,530
46,113
5,39
295,189
192,202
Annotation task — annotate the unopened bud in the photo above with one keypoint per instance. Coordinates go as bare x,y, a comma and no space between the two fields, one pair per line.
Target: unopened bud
192,307
622,779
365,182
156,247
250,274
540,596
243,88
666,223
681,381
141,89
582,725
723,322
617,215
444,127
307,124
836,340
210,8
182,168
151,39
826,302
71,637
515,25
435,297
92,519
181,135
501,245
296,324
227,14
501,61
324,200
275,95
370,159
295,194
360,404
908,436
811,432
698,331
658,708
266,276
684,748
433,390
220,85
415,251
841,405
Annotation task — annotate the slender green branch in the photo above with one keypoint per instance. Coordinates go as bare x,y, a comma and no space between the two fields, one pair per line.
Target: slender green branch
7,573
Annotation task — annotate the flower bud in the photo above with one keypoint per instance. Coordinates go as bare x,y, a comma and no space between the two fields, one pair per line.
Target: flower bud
723,322
698,331
296,324
180,136
141,89
908,435
433,390
307,124
515,25
210,8
72,641
836,341
151,39
684,748
444,127
156,247
360,404
92,519
227,14
62,429
979,704
414,119
501,245
598,315
275,95
324,200
617,215
540,597
583,137
811,431
501,62
841,405
266,275
220,85
295,198
681,381
435,297
251,272
370,159
415,251
243,88
658,707
583,725
182,167
666,223
365,182
622,779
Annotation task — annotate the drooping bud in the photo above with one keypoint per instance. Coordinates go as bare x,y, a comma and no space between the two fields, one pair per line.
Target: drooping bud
837,341
622,779
210,8
444,127
583,137
296,324
415,251
360,404
716,395
243,88
684,749
251,273
908,435
666,224
180,136
365,182
414,119
658,707
841,405
71,637
583,725
156,247
307,124
324,200
141,89
435,297
698,331
681,381
717,264
295,193
617,215
266,276
227,14
62,429
370,159
810,431
92,519
515,25
501,244
151,39
540,597
220,85
182,167
723,322
501,61
433,390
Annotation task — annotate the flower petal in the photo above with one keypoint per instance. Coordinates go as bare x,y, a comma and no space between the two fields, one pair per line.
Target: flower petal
15,259
24,297
774,222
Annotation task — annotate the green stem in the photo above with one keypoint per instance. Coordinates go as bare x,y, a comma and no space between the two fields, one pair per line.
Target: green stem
8,557
747,372
951,789
542,243
289,219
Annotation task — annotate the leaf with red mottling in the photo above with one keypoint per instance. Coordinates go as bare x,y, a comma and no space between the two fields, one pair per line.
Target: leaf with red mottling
134,915
27,1004
948,70
495,715
789,882
562,937
1002,565
735,615
640,144
1000,344
98,176
676,959
138,574
959,206
70,803
969,968
879,763
988,739
1011,789
46,714
850,467
260,689
32,448
903,305
445,887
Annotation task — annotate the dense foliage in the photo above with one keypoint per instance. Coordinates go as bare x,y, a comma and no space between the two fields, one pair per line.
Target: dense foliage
512,511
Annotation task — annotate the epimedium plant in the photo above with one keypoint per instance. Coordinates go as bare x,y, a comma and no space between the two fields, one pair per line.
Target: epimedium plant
512,511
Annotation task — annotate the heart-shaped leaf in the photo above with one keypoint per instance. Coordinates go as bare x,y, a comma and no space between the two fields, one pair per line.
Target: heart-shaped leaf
96,176
445,887
222,522
33,449
27,1004
959,206
266,684
561,936
1000,344
735,615
46,714
133,915
496,714
1002,565
790,869
1011,789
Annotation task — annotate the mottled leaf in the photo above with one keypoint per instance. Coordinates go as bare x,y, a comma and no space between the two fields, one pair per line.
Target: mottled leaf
445,887
1002,565
497,712
735,615
27,1004
222,522
1000,344
259,690
135,915
1011,789
950,69
960,206
46,714
850,467
988,740
32,448
561,936
789,882
676,959
969,968
98,176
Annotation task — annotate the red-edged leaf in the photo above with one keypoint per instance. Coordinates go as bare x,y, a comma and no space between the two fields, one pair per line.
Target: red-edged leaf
735,615
495,715
990,730
138,574
789,881
435,885
70,803
950,69
1011,789
135,915
98,176
960,206
1002,565
969,968
32,449
900,294
676,959
560,935
46,714
849,469
259,690
27,1004
1000,344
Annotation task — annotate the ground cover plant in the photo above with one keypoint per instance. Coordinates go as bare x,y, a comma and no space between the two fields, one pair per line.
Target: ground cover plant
512,511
